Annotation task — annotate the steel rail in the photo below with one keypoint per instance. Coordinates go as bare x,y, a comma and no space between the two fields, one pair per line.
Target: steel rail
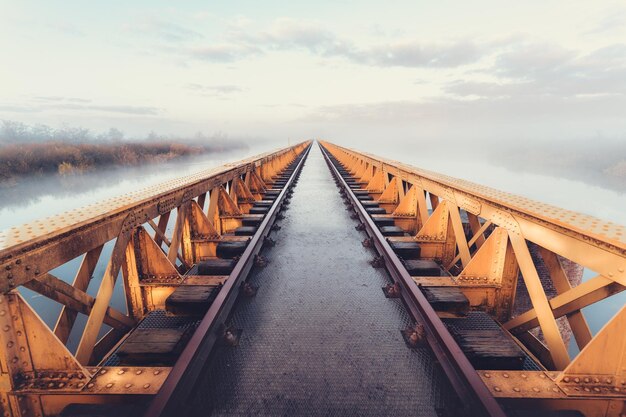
188,367
45,244
474,394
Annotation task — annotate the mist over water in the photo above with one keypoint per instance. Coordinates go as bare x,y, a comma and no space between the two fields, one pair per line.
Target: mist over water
40,197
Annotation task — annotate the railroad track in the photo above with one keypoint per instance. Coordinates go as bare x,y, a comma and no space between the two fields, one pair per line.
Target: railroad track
475,396
212,327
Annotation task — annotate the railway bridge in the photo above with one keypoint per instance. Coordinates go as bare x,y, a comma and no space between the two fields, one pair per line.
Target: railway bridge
312,280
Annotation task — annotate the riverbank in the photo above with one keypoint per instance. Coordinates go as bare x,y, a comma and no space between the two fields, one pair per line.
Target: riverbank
56,158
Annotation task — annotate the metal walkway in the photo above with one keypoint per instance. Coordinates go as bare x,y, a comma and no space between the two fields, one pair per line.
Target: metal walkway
320,337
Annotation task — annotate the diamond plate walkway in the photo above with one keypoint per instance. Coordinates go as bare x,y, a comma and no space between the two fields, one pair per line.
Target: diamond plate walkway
320,338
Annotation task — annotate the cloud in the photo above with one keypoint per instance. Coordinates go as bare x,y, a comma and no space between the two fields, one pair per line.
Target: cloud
214,90
539,70
222,52
61,103
287,34
60,98
614,19
66,28
164,30
140,110
10,108
416,54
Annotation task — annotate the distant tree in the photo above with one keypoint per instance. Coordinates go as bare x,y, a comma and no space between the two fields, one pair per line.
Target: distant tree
13,131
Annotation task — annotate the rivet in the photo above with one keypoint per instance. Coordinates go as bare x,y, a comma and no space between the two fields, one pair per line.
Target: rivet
487,375
577,380
497,389
102,372
120,372
535,389
555,389
109,385
128,386
505,375
81,384
587,380
6,328
146,386
516,389
90,385
566,379
138,372
157,372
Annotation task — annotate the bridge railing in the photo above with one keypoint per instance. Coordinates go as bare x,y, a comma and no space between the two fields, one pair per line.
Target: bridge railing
34,358
486,239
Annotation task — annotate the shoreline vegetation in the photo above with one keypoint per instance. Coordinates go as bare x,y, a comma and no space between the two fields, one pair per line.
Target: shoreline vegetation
30,151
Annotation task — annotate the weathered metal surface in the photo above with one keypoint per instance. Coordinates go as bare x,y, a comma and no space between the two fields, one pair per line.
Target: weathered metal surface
473,393
185,374
43,375
479,236
319,337
485,257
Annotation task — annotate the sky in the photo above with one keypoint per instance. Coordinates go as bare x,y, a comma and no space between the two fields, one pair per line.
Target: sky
390,73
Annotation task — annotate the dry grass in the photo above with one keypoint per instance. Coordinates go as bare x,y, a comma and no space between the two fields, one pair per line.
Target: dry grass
63,158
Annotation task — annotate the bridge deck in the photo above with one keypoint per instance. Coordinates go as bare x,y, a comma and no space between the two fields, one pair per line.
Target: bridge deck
320,334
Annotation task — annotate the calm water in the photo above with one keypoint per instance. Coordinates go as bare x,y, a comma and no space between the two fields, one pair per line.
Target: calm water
42,197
